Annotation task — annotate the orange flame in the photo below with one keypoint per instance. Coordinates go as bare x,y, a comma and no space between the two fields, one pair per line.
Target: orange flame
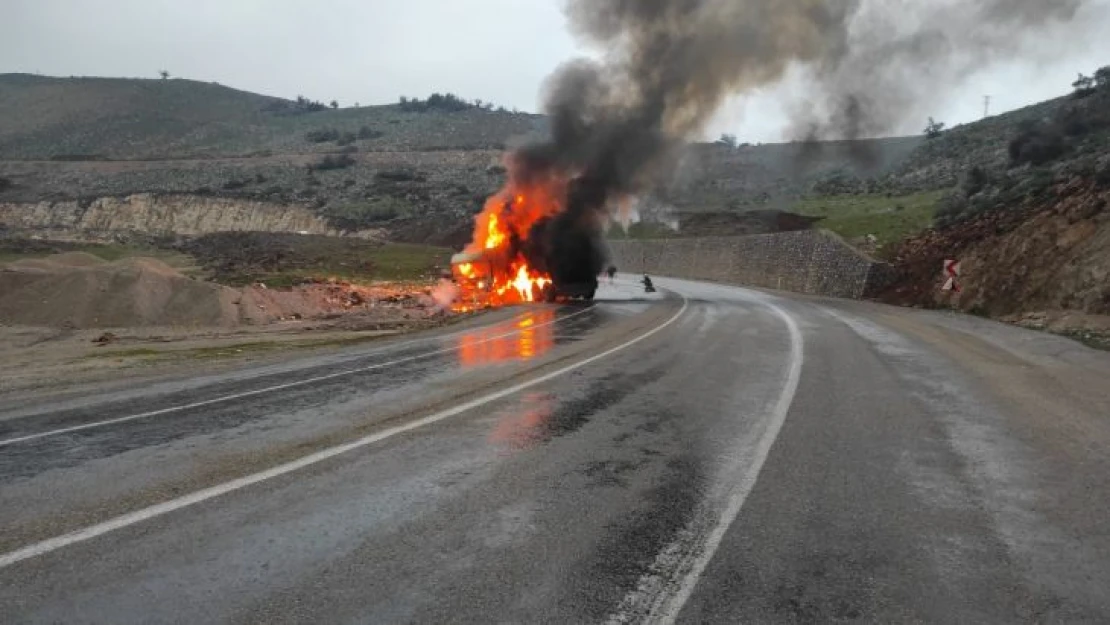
495,237
504,276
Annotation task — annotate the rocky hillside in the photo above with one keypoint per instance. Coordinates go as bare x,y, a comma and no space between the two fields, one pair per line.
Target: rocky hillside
715,177
940,163
147,215
1044,258
1030,218
374,167
387,192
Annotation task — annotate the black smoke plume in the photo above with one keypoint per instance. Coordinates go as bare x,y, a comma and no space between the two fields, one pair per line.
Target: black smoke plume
618,123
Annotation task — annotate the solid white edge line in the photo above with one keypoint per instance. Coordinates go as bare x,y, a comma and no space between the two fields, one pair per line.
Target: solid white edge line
131,518
668,611
268,389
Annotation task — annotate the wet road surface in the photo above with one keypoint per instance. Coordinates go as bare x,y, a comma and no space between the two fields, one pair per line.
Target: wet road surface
706,454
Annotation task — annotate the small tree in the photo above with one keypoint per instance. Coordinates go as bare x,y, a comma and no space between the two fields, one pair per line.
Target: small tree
335,104
164,74
1084,86
728,140
934,129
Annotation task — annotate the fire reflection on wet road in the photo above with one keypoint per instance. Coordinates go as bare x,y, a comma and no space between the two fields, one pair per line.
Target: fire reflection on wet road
522,426
536,336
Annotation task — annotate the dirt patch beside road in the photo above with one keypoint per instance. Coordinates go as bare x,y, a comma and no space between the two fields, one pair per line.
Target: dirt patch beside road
77,290
74,317
40,358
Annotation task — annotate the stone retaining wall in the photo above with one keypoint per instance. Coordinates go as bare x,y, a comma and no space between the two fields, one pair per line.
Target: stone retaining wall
811,261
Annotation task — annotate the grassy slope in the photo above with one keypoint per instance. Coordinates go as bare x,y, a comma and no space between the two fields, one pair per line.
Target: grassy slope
238,258
13,250
889,219
298,259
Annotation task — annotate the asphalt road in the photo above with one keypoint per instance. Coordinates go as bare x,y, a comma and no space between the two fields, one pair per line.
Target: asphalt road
705,455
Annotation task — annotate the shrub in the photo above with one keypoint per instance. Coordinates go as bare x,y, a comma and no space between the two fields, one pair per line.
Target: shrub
399,175
346,138
321,135
1102,78
310,106
367,132
352,217
950,210
1073,122
976,180
441,102
1102,174
342,161
728,140
1037,184
1037,144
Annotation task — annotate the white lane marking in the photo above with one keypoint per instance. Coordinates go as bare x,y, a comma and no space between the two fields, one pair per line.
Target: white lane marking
664,601
52,544
268,389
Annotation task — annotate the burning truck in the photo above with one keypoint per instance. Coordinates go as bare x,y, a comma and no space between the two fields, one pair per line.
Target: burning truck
527,248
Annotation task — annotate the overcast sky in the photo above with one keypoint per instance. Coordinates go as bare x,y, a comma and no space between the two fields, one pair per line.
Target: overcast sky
372,51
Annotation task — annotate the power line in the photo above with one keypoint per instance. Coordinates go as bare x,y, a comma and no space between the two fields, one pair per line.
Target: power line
986,106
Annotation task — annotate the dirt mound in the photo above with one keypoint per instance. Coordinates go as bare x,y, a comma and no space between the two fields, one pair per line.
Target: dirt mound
1049,257
81,291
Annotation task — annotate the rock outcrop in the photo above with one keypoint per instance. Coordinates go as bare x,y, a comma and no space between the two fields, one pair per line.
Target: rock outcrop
159,215
1044,257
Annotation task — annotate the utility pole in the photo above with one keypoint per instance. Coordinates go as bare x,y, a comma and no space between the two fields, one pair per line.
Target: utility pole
986,106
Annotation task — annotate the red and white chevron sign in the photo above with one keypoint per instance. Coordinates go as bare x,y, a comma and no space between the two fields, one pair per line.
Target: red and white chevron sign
952,275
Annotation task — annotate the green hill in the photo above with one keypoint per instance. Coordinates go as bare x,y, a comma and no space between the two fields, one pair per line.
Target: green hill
44,118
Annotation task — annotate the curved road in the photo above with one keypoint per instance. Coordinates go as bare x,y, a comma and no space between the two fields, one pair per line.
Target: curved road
708,455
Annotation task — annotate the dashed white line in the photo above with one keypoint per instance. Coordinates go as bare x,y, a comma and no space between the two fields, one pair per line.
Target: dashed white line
260,391
138,516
